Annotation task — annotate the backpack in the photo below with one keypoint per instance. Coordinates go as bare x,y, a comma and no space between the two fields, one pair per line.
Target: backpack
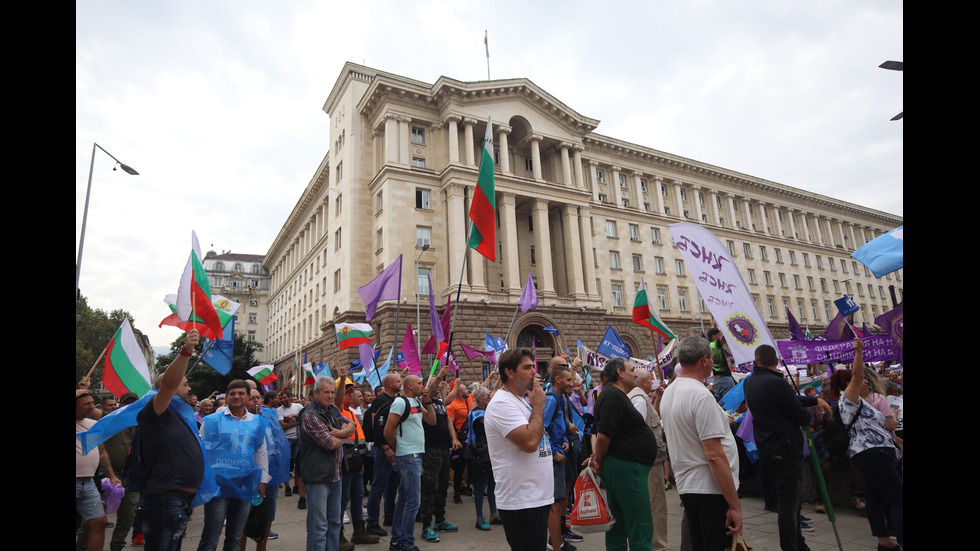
381,418
837,436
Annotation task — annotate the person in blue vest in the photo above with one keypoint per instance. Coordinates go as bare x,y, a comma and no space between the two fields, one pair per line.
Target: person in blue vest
235,441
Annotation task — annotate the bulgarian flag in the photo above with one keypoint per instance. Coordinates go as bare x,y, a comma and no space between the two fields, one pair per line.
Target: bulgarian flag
125,365
263,374
194,294
483,209
224,307
352,334
643,315
310,377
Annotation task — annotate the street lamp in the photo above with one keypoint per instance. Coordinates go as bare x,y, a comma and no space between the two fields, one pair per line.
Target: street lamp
88,192
418,332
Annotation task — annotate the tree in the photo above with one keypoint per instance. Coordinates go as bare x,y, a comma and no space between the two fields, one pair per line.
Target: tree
93,329
203,378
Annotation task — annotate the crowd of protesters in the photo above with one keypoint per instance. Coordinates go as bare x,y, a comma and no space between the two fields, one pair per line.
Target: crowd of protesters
515,443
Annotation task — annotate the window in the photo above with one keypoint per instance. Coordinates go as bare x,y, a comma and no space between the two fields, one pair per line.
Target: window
843,266
768,278
881,292
731,247
782,280
836,287
237,284
336,280
530,223
251,335
700,198
611,228
602,198
253,317
423,236
762,253
219,266
854,268
255,268
422,199
381,201
796,281
637,263
600,176
422,285
792,258
418,162
528,164
747,250
658,264
751,276
813,309
779,255
626,203
237,268
806,260
847,287
418,135
253,302
218,281
634,232
683,194
336,239
679,266
809,283
646,207
663,190
799,308
622,181
534,257
614,260
826,309
655,235
381,239
860,290
661,298
643,185
819,262
667,211
617,294
772,307
682,299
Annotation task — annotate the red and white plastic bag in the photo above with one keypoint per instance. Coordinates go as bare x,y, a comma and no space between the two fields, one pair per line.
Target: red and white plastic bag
591,512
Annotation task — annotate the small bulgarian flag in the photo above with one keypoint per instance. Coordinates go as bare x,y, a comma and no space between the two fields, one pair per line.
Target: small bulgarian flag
263,374
483,209
125,365
224,307
643,315
352,334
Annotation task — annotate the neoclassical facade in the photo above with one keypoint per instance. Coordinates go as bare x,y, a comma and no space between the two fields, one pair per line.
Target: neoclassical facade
587,214
241,277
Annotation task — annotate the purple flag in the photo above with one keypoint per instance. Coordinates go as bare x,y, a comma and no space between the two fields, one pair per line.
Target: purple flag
795,331
529,296
838,329
366,353
447,317
451,362
431,346
386,286
433,315
893,323
411,351
472,353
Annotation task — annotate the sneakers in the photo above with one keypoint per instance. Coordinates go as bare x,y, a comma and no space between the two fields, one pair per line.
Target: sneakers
804,527
481,524
272,535
568,535
289,492
429,534
386,521
565,546
302,503
495,519
138,539
819,507
346,518
457,498
805,519
445,526
376,530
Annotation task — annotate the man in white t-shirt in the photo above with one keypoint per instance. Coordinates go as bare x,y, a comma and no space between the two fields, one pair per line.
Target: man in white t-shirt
703,452
520,452
288,412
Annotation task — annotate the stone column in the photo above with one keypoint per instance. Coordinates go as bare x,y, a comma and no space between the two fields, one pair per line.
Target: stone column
404,139
391,138
593,166
714,213
508,226
816,229
587,256
502,133
777,213
636,195
805,227
730,201
542,244
828,230
747,211
566,166
469,157
456,217
657,193
577,159
676,184
536,156
572,248
478,282
617,194
762,218
839,226
452,121
696,199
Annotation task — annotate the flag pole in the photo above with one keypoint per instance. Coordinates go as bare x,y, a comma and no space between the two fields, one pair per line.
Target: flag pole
459,288
99,359
201,357
512,320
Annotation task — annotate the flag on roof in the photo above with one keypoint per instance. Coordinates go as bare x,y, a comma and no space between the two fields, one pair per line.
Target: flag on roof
352,334
386,286
647,317
263,374
483,209
126,369
883,254
529,295
194,293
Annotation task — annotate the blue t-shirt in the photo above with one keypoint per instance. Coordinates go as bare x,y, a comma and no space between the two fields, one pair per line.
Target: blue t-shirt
409,437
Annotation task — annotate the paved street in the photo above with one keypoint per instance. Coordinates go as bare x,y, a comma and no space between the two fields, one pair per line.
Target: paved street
760,529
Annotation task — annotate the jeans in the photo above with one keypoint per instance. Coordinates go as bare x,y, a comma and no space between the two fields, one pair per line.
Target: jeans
409,467
383,473
787,474
883,491
323,516
723,385
216,512
353,493
163,519
484,485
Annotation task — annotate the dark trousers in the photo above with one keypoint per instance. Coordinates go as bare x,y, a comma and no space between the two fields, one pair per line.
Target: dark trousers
787,475
526,529
883,491
706,522
435,484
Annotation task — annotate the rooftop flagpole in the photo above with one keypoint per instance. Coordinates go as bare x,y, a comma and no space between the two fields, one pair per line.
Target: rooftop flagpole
487,46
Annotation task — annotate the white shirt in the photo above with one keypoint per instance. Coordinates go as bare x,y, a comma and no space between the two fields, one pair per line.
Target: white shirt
524,480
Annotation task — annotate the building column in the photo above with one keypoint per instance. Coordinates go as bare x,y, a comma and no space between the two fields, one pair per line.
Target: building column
542,245
391,138
805,227
817,231
839,225
747,211
469,157
587,256
577,160
593,167
404,139
678,202
511,253
536,156
714,213
658,195
478,282
566,165
828,230
730,201
456,217
696,199
452,121
636,195
616,193
504,148
762,218
572,248
777,214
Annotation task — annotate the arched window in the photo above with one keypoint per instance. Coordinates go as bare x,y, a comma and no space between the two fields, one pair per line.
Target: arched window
237,267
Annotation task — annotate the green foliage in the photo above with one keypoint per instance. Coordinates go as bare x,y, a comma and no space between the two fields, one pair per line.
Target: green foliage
203,378
93,329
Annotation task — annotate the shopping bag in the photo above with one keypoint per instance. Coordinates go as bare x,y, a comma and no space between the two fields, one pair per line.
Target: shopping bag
591,511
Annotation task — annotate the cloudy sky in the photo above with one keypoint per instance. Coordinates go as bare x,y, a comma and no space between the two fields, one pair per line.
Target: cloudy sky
218,104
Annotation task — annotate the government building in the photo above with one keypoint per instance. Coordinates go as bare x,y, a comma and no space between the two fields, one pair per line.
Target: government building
241,278
587,214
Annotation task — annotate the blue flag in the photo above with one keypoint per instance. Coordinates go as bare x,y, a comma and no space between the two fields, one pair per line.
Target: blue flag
551,329
613,346
734,397
494,343
219,353
883,254
846,305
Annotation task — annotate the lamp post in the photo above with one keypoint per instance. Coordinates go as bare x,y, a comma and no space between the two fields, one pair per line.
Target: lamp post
88,192
418,332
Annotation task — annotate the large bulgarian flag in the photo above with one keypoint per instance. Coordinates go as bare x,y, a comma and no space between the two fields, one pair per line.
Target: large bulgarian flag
483,209
126,369
353,334
310,376
194,294
224,307
643,315
263,374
